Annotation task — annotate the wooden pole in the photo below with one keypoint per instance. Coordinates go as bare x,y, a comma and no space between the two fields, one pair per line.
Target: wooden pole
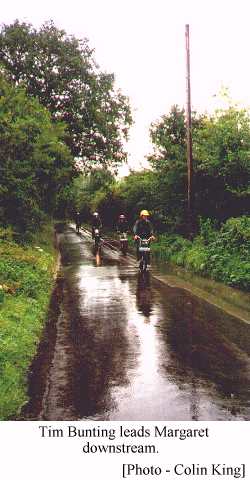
189,137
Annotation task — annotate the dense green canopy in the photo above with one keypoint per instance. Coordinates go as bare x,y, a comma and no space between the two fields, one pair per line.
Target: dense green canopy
35,163
60,71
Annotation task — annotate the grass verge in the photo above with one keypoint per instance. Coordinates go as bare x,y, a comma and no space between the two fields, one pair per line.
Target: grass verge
26,280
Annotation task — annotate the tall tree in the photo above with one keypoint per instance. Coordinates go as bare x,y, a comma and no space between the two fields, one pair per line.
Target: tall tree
35,163
168,136
221,151
60,70
169,162
222,165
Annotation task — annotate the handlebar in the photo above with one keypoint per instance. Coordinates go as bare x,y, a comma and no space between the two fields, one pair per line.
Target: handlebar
137,237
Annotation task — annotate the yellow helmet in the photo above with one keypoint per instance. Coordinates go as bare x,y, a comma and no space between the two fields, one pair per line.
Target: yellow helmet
144,213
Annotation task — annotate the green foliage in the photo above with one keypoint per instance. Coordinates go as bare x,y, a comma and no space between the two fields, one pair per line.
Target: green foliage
6,234
233,236
90,191
35,164
26,275
168,136
137,193
61,72
170,246
109,205
222,164
24,270
222,254
169,163
1,294
55,105
208,232
221,151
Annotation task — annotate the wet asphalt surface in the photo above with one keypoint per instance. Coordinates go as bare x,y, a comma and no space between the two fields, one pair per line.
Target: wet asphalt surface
122,346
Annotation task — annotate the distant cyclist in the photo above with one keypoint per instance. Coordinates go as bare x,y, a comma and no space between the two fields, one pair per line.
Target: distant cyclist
122,224
78,221
96,223
122,230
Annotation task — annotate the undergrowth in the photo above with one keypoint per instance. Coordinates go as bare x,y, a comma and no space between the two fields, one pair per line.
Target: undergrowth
26,279
221,254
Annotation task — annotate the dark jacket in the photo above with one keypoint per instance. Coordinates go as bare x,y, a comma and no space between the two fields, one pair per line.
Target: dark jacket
122,226
143,228
96,222
78,219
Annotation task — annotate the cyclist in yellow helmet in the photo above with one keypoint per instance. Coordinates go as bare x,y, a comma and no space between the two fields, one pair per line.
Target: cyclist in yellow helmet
143,228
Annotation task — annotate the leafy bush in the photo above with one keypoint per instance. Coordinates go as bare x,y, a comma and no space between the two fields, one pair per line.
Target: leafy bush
235,235
222,254
208,231
169,245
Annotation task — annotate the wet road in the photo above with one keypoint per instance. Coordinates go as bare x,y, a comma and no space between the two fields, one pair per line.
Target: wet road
119,346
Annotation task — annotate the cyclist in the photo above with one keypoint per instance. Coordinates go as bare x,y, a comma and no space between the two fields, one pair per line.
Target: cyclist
78,221
96,223
122,229
143,228
122,224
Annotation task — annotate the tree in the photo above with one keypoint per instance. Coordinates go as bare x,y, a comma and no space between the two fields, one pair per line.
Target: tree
89,190
221,152
169,162
168,136
137,192
222,164
35,164
60,71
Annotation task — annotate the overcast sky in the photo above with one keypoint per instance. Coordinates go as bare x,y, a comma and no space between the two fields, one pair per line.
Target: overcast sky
143,43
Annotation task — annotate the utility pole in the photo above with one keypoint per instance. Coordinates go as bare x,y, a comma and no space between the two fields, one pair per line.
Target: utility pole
189,138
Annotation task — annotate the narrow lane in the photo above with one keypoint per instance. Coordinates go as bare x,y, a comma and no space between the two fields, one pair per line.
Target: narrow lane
119,346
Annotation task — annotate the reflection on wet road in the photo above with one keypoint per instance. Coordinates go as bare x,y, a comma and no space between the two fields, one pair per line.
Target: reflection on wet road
119,346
